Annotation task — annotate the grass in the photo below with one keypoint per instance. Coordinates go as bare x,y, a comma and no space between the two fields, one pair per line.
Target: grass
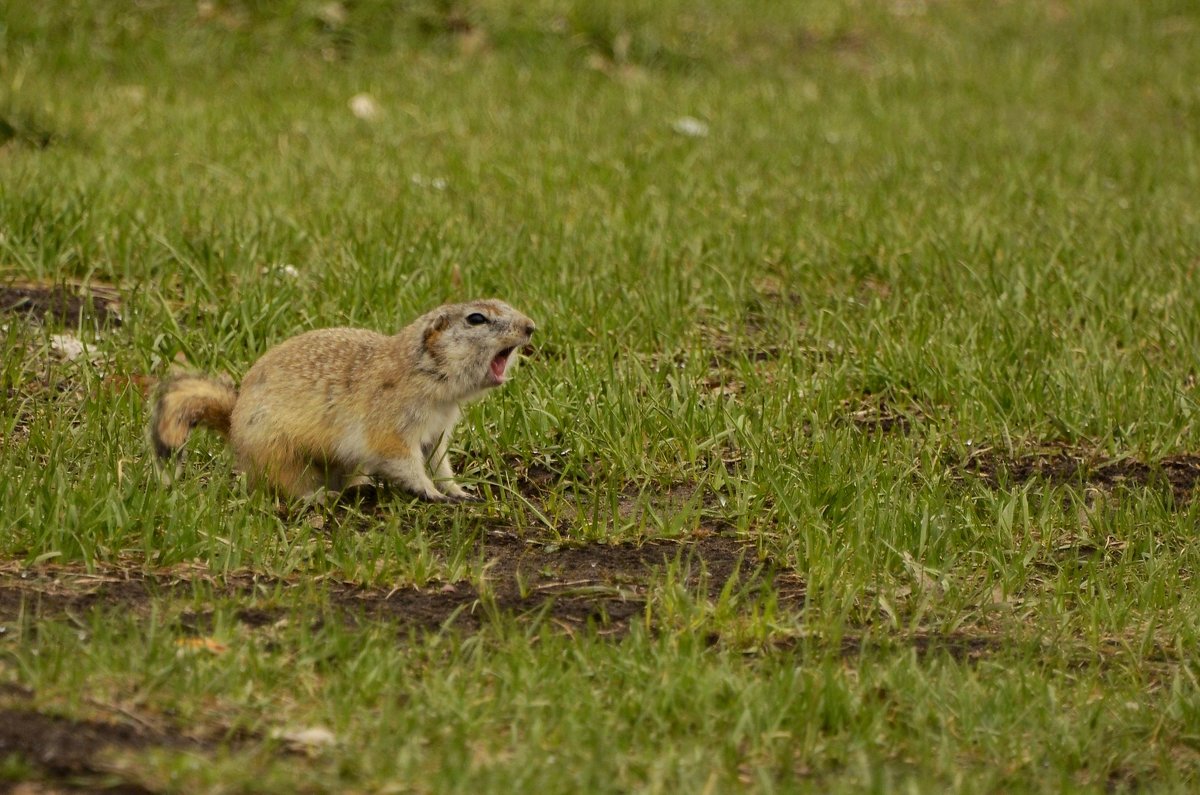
892,322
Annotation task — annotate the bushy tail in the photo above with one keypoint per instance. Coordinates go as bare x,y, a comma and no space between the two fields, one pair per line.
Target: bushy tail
182,403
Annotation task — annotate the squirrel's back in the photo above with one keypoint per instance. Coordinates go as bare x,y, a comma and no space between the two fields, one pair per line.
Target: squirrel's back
309,391
335,356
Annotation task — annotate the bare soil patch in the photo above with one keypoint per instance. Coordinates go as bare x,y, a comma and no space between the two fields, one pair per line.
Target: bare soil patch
753,339
1063,464
65,304
963,646
53,595
598,584
71,753
19,129
604,585
879,414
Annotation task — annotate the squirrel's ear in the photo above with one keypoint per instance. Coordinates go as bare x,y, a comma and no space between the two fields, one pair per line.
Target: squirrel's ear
441,322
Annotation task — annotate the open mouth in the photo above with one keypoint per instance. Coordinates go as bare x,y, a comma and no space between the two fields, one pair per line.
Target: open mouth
499,364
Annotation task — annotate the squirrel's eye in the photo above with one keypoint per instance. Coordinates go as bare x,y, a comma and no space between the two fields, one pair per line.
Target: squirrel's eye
476,319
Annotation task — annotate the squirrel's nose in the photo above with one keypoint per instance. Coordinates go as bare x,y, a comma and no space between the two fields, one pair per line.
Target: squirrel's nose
529,329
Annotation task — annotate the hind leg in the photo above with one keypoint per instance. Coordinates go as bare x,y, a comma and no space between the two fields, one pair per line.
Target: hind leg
286,475
339,478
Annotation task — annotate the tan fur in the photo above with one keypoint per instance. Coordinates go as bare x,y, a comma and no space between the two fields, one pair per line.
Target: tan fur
184,402
328,408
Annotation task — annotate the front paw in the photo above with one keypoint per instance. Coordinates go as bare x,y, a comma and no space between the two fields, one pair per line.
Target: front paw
457,493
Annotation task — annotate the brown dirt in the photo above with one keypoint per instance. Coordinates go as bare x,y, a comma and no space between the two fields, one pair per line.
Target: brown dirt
1066,465
600,584
72,594
70,753
83,754
878,414
64,304
16,129
606,585
751,339
960,646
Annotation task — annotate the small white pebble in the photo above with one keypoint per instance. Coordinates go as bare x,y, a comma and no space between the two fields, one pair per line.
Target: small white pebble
364,107
690,126
68,346
436,183
310,738
333,14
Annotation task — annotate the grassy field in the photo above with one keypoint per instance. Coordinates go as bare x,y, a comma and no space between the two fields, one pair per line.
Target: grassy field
857,452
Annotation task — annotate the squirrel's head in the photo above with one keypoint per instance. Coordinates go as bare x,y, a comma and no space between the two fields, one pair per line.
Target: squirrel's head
474,346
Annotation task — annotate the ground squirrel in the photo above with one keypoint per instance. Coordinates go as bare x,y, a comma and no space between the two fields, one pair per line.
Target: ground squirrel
332,407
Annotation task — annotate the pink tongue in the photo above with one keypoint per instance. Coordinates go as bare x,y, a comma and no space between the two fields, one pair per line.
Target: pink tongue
498,366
